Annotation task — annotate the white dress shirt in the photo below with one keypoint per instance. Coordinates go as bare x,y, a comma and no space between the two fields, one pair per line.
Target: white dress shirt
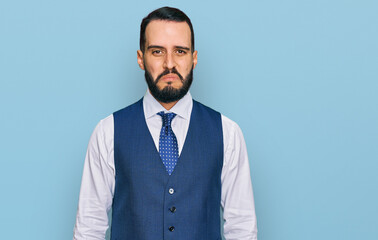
98,181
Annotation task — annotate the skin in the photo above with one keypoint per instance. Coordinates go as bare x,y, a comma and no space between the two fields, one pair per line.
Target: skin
168,46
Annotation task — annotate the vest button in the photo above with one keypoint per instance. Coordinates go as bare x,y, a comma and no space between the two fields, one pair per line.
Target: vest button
172,209
171,191
171,228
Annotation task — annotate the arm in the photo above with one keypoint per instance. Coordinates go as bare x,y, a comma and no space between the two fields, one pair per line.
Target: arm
97,186
237,196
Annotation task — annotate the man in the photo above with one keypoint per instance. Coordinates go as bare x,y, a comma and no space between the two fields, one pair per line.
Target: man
167,164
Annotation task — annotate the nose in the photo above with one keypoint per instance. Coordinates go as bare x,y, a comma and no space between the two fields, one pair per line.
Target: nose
169,61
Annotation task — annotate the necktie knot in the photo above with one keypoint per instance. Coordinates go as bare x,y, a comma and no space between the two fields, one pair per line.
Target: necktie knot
167,118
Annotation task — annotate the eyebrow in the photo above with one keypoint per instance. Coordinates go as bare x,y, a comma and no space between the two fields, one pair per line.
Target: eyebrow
181,47
160,47
154,46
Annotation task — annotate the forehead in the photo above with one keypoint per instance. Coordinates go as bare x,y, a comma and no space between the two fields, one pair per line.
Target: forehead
168,33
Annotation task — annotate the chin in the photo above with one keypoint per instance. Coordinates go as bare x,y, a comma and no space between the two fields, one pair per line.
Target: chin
170,85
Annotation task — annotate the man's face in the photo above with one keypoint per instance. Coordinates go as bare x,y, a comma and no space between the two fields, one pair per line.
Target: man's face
168,60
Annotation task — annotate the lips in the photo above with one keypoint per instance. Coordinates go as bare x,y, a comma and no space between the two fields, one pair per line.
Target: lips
170,77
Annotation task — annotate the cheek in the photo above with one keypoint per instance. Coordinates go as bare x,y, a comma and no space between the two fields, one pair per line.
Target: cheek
154,68
186,65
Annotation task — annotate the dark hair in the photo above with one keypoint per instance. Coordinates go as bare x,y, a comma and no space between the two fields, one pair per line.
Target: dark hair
167,14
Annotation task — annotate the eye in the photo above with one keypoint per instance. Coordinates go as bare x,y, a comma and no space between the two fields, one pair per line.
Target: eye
157,52
181,52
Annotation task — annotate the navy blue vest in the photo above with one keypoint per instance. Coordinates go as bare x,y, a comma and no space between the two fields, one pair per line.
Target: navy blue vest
149,204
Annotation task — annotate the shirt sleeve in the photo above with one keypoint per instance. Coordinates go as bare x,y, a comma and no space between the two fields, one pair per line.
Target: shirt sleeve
237,195
97,184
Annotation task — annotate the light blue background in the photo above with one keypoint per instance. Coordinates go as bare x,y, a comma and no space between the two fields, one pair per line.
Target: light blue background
299,77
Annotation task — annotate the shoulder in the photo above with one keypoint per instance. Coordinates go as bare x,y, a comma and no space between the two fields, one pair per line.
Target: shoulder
107,123
230,127
101,140
232,134
104,129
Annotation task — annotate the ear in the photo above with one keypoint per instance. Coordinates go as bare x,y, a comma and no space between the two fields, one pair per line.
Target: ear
194,59
140,59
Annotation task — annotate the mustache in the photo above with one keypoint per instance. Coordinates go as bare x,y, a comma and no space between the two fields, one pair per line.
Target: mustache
168,71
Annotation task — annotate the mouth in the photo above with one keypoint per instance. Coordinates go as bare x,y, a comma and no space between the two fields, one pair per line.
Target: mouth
170,77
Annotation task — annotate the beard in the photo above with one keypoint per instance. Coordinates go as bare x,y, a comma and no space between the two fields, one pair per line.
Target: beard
168,94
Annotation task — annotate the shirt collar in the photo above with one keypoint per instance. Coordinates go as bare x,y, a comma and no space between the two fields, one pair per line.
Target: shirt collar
182,108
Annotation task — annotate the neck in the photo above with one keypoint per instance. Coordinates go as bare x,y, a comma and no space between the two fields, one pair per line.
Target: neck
168,106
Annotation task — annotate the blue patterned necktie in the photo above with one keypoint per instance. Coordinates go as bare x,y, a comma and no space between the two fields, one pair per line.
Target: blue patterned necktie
168,148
